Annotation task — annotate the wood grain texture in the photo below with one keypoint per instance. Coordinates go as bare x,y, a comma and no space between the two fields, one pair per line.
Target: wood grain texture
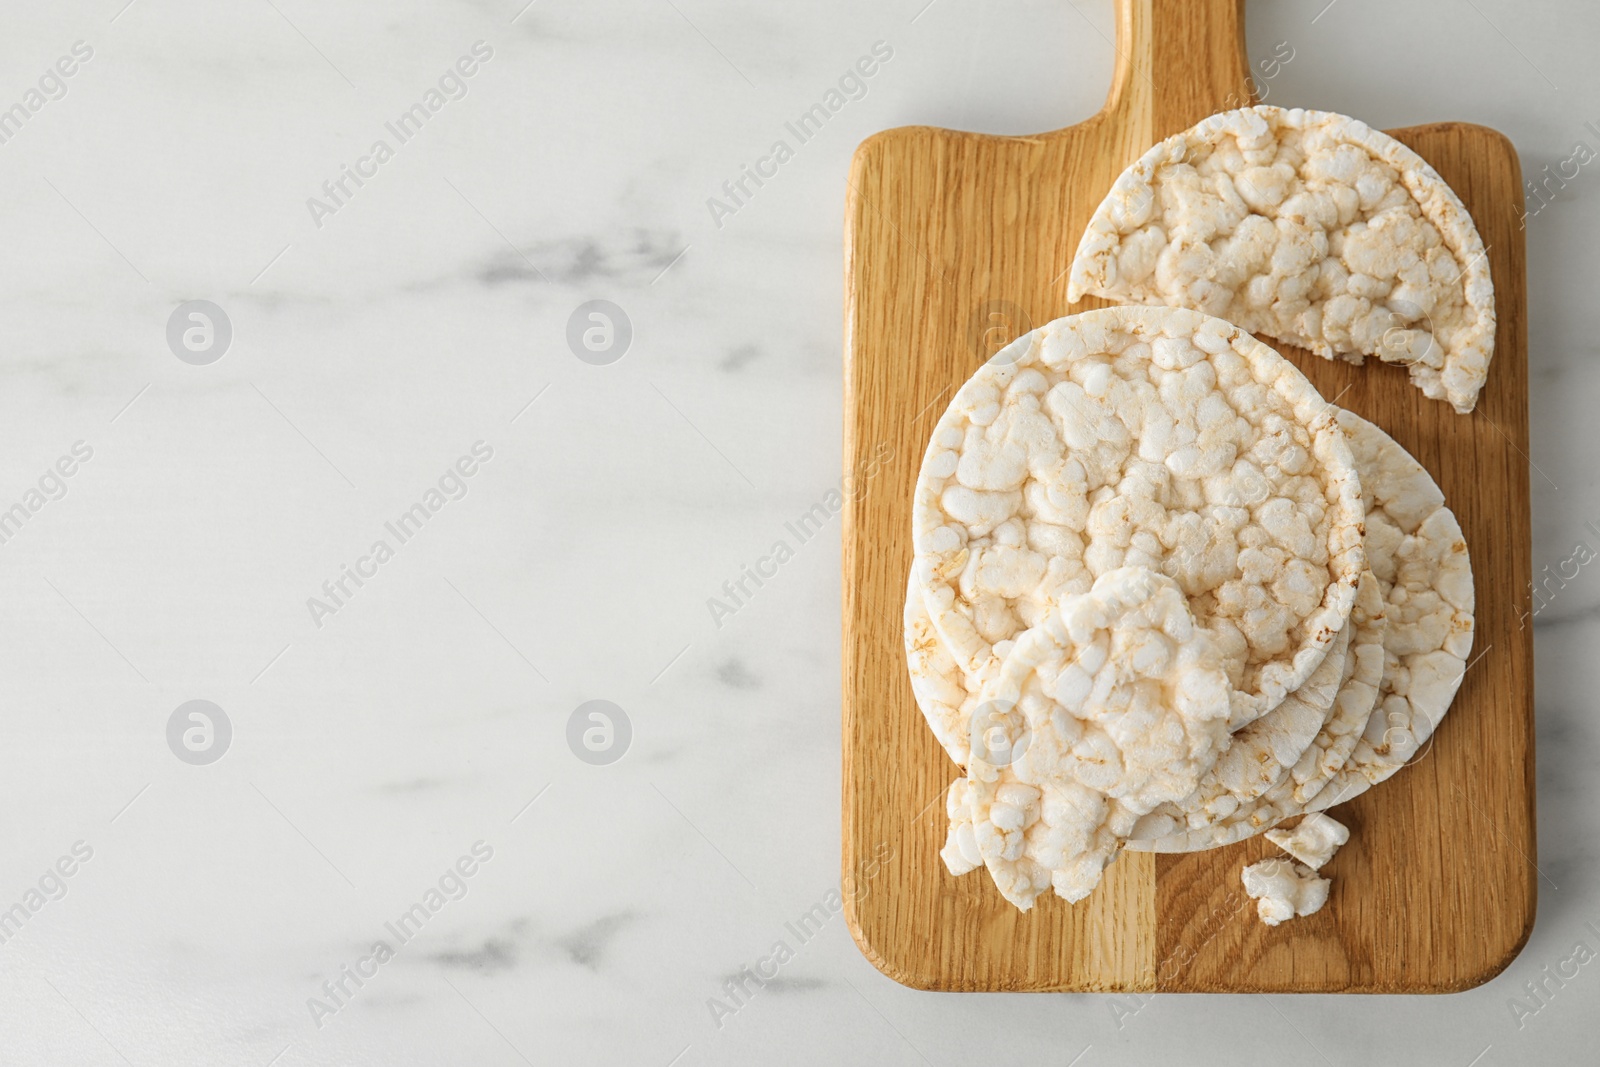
957,242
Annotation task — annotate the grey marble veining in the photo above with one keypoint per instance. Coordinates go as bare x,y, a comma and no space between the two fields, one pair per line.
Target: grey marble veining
423,721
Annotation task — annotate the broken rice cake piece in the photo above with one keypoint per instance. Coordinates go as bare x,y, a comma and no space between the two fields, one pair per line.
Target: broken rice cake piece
1314,841
1283,889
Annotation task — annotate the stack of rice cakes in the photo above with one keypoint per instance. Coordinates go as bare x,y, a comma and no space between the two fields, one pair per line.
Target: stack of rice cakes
1165,596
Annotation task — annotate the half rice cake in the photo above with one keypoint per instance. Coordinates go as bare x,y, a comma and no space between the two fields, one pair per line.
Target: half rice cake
1150,437
1175,829
1417,551
1083,734
1305,226
1260,754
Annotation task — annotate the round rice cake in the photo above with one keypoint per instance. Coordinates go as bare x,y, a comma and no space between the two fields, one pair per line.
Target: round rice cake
1142,436
1309,227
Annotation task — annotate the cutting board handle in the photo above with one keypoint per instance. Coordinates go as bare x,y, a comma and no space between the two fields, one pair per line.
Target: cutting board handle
1177,62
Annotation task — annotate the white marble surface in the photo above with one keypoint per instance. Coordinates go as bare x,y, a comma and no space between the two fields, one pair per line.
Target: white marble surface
372,351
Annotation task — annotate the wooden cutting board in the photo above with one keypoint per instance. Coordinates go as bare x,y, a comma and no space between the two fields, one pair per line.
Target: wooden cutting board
954,244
